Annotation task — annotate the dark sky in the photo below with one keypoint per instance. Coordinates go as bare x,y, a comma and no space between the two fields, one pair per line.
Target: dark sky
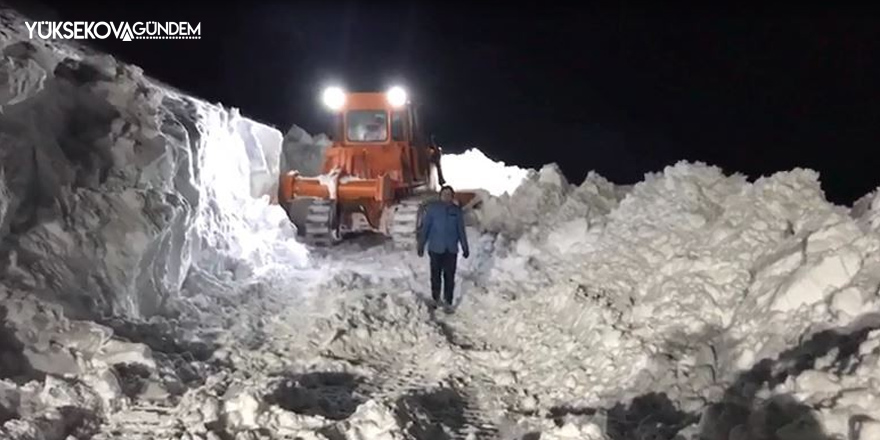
623,90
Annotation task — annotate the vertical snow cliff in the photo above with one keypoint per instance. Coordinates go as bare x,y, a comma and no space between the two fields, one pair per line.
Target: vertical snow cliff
112,187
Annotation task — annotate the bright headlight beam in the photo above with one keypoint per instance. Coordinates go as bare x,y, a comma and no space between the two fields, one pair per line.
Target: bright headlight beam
334,98
396,96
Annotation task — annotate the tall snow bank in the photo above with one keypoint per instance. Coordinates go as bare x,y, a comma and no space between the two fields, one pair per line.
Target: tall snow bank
112,187
124,202
690,286
474,170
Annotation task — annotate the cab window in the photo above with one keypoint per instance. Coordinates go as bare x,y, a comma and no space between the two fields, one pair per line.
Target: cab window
367,125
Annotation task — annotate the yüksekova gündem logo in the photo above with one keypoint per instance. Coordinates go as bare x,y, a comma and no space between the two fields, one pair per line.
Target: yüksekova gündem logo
102,30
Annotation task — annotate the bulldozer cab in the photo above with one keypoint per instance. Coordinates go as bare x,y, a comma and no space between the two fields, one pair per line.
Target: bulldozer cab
374,118
384,130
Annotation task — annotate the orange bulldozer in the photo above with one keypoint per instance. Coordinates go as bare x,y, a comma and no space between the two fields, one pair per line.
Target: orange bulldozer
377,175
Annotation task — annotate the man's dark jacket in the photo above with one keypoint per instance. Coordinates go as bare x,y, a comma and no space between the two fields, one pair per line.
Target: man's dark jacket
442,229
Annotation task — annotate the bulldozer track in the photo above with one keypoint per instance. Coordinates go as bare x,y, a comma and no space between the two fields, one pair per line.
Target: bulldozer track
426,406
140,422
321,223
405,222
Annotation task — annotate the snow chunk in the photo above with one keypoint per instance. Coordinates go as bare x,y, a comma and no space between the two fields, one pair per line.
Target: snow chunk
866,210
575,431
810,284
118,352
833,237
569,236
372,421
869,429
303,153
5,202
848,301
812,383
551,174
243,410
22,76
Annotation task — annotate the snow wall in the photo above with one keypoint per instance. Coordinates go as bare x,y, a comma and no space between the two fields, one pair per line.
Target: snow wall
727,302
113,187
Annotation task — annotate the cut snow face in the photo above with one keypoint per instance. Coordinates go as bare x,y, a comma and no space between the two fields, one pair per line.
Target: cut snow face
112,187
474,170
140,211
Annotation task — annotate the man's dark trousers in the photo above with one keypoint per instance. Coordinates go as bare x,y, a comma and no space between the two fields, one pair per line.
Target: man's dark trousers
443,267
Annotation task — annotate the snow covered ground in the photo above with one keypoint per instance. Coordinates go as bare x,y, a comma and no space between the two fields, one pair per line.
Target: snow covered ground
149,292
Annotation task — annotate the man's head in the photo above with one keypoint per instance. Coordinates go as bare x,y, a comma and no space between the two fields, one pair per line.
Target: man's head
377,123
447,194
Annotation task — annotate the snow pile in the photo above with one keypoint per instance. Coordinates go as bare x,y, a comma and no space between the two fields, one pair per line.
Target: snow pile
545,203
59,375
304,153
700,305
474,170
867,210
691,281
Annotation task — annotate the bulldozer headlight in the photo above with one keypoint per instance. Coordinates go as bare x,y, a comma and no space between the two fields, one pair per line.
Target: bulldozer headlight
396,96
334,98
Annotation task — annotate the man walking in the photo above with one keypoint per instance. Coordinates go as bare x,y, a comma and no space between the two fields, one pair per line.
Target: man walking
443,231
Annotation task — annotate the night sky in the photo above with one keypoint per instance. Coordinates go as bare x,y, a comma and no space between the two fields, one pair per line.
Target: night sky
623,90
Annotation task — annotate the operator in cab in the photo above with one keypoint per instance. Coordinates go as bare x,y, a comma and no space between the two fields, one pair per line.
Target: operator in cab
376,131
